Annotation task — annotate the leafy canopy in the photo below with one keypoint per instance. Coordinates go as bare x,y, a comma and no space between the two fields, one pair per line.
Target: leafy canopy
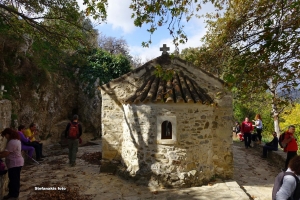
157,14
101,67
265,39
58,22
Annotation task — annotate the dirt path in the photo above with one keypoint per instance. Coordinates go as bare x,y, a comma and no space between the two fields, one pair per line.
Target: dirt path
254,174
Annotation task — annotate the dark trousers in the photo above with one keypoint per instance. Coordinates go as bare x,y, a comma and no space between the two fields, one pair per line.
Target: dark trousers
247,139
289,156
259,130
38,148
14,181
268,148
73,149
254,137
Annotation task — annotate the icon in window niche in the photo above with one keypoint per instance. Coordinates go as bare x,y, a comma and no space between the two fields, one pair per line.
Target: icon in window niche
166,128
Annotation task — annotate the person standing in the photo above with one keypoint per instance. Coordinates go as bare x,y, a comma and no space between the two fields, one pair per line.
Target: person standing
292,146
259,126
72,133
246,130
270,146
14,162
289,183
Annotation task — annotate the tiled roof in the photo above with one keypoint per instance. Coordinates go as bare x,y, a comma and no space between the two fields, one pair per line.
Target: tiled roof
180,89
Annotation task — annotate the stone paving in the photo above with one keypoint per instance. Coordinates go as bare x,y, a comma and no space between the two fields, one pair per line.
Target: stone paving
254,174
253,179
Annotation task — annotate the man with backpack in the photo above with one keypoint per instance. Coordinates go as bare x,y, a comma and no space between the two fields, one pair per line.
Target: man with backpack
291,144
287,184
72,133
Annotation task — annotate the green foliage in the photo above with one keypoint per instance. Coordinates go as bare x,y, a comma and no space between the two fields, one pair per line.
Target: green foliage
207,58
157,14
103,66
58,22
261,104
264,39
291,117
46,56
164,74
10,81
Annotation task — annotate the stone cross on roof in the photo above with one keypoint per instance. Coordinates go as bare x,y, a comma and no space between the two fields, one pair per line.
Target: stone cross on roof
164,49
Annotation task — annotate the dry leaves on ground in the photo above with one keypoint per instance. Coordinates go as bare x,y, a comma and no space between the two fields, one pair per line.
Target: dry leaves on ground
92,158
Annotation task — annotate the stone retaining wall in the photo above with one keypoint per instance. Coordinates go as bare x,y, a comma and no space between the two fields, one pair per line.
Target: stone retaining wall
276,157
5,122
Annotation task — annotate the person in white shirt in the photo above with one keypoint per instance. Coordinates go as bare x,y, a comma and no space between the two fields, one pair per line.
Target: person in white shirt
289,184
259,126
14,161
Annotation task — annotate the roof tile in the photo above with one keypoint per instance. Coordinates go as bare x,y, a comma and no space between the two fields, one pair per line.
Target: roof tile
179,89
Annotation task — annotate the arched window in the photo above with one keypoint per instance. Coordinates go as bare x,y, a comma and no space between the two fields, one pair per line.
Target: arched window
166,130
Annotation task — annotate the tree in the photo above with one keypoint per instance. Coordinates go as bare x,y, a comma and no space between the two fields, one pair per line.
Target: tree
58,22
264,38
291,117
100,67
158,14
113,45
118,46
204,57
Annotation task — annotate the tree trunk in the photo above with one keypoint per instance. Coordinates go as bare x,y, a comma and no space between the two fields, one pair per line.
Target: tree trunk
276,124
275,111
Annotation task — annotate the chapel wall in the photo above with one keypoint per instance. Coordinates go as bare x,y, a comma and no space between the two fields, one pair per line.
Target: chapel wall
112,131
202,151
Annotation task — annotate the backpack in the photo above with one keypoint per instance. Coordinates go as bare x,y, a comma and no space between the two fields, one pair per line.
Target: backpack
279,181
281,139
73,131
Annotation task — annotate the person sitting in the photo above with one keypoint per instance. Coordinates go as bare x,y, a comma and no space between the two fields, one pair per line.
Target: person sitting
238,131
38,146
24,142
270,146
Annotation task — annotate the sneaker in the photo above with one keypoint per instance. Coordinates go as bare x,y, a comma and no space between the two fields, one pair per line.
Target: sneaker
40,159
43,156
73,164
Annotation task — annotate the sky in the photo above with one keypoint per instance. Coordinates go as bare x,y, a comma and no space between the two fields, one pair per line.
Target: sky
120,25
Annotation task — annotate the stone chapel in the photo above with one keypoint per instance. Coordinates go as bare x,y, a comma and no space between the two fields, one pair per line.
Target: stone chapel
172,133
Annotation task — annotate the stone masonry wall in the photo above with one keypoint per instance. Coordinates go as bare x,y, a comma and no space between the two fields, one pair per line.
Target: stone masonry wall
5,122
203,147
112,131
5,118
